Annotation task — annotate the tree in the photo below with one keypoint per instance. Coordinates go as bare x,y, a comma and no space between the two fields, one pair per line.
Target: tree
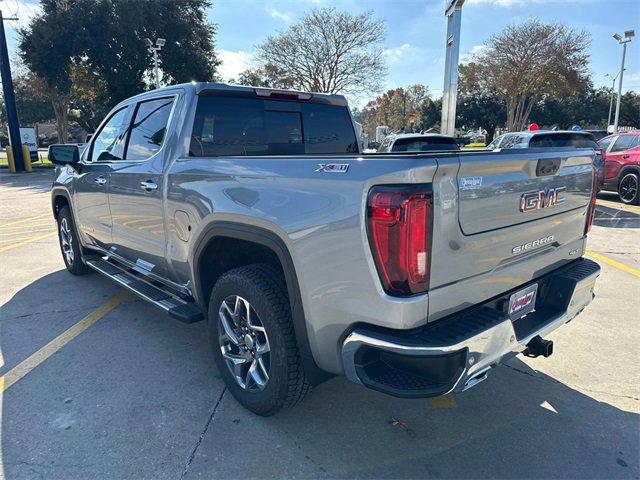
430,114
478,105
268,76
327,51
630,109
32,106
526,62
47,48
100,44
113,36
401,109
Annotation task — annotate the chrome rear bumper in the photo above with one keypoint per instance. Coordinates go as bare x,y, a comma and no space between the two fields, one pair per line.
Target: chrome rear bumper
456,353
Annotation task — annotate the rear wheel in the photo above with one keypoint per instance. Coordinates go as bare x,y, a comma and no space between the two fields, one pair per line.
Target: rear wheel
629,189
253,341
69,243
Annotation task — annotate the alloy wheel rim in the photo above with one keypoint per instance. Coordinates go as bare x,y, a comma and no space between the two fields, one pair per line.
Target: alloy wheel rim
67,241
244,343
628,188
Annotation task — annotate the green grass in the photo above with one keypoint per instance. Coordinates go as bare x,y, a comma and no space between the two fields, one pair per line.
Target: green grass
42,163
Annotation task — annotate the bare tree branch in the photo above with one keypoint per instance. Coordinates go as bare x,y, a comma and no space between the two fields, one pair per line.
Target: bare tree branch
327,51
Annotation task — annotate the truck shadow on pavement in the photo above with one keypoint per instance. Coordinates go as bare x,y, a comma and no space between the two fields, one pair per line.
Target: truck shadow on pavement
614,218
137,396
40,180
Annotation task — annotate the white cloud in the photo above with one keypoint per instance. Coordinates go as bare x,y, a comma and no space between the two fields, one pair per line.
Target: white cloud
233,63
278,14
471,53
25,11
396,54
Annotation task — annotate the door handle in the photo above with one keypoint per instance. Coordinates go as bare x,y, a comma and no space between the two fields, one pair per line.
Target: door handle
625,156
149,185
101,180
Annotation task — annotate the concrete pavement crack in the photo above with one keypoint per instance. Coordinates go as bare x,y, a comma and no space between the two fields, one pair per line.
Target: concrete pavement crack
187,465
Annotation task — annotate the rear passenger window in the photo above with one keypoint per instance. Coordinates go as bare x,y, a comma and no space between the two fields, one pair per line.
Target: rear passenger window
229,126
148,128
624,142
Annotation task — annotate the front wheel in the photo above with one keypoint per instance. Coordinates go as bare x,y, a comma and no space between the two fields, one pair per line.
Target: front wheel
69,243
629,189
253,341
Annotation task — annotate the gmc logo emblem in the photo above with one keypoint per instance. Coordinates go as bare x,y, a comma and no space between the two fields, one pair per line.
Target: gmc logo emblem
542,199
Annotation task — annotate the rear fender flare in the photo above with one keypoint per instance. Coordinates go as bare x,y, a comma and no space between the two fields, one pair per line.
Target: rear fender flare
272,241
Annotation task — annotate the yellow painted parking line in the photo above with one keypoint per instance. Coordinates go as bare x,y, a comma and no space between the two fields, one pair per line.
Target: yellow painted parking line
25,220
27,228
447,401
614,263
619,206
23,368
23,232
26,241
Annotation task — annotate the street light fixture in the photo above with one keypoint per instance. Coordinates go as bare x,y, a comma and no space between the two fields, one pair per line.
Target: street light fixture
154,49
628,35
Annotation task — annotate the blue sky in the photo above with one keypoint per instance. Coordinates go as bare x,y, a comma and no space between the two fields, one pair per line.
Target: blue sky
416,30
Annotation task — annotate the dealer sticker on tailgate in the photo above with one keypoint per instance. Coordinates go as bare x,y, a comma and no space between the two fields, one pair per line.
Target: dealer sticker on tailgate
522,302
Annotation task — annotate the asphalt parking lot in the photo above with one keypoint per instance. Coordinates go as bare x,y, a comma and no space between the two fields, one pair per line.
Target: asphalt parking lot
98,384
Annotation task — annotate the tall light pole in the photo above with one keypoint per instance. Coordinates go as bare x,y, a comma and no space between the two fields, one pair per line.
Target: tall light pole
628,35
613,94
154,49
453,12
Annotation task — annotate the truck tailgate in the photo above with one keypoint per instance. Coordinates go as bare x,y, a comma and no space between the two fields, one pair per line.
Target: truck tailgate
509,189
486,240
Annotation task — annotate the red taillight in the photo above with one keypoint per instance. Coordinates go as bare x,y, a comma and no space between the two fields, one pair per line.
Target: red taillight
399,221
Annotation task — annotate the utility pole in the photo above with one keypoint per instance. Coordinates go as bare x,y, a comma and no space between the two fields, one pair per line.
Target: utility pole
453,13
155,49
628,35
613,94
9,98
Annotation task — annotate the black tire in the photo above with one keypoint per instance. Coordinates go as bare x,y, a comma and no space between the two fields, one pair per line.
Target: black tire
74,262
263,287
629,189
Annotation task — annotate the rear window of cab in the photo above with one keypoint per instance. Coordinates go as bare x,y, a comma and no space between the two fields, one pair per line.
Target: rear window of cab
239,126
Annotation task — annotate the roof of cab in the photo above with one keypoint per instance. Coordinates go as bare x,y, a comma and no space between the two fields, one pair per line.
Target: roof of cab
200,87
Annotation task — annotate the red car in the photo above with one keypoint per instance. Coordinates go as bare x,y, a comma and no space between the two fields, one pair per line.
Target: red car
622,165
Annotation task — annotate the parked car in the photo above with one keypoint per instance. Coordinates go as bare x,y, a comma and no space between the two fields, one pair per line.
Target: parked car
553,139
418,142
622,165
598,134
413,274
544,139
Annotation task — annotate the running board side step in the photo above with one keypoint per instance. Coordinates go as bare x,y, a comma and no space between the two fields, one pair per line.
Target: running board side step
187,312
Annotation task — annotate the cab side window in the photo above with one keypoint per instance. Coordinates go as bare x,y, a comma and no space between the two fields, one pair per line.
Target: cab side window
108,144
148,128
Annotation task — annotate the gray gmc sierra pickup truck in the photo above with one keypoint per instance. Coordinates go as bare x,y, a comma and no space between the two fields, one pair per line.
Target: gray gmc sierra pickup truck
411,273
